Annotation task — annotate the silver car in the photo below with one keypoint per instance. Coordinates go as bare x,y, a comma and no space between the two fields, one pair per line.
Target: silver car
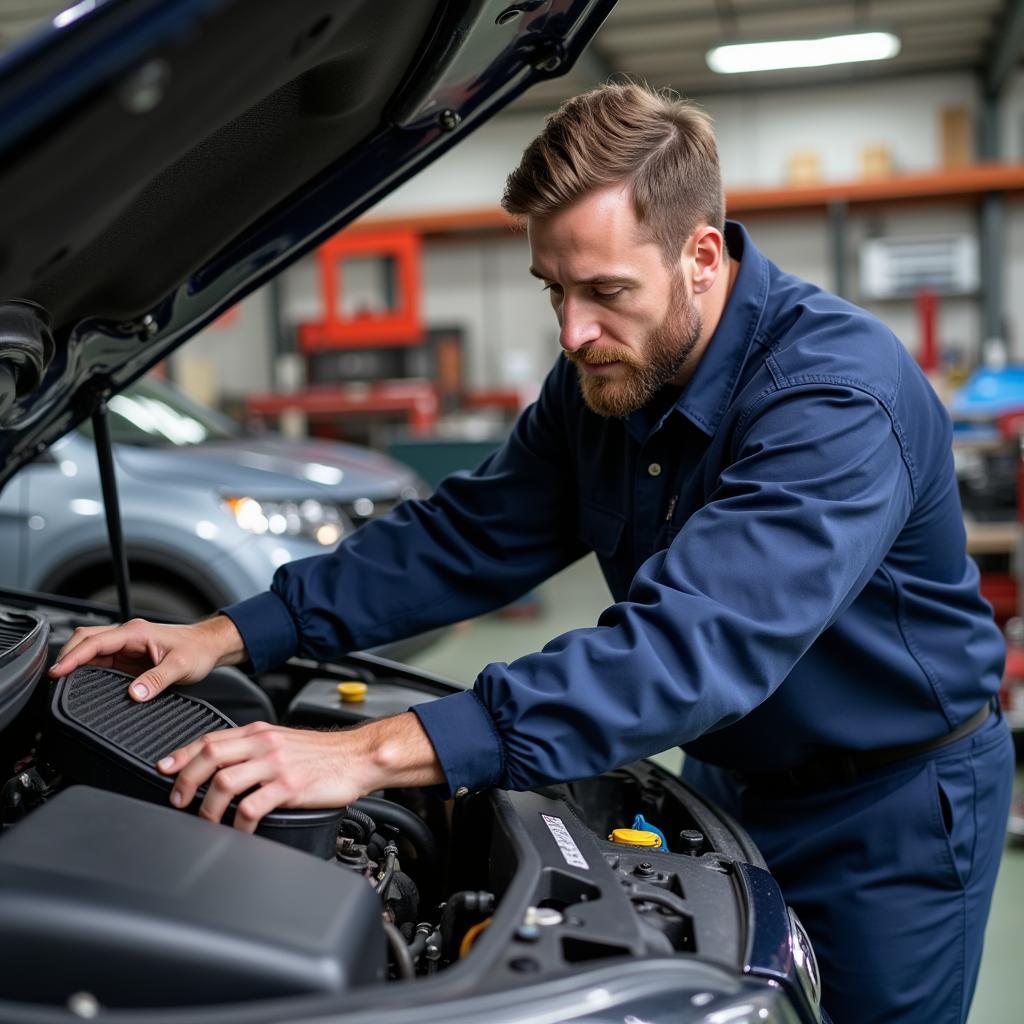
208,512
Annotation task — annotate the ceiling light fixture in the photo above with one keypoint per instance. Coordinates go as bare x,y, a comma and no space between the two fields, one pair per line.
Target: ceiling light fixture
737,58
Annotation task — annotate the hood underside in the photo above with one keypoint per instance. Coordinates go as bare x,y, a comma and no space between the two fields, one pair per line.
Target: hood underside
159,159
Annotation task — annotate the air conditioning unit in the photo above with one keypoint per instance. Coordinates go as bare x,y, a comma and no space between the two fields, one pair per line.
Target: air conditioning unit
893,268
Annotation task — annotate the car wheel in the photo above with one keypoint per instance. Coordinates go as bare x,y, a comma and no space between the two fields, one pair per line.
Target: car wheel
154,599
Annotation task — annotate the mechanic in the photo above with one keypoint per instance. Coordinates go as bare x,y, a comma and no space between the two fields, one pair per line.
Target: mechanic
767,480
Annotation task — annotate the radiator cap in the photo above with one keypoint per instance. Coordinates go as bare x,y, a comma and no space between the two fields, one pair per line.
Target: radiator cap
352,692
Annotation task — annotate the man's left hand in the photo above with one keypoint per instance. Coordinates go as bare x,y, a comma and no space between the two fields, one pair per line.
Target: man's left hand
299,768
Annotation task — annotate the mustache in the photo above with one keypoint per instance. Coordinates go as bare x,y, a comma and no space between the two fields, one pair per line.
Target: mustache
601,356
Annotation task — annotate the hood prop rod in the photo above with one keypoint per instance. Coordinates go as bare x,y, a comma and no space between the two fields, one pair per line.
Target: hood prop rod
108,482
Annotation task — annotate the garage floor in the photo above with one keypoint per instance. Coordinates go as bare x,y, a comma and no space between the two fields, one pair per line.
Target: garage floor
574,598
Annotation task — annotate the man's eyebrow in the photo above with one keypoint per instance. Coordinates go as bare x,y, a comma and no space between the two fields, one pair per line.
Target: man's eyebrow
596,279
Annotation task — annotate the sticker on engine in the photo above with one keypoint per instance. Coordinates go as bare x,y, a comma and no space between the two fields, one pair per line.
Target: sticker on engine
565,842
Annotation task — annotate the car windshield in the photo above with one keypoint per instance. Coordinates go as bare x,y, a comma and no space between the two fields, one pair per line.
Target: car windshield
152,413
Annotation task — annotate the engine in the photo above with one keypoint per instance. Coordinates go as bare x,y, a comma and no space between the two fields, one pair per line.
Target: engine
109,894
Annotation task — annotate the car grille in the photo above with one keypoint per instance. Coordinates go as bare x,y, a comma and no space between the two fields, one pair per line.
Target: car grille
97,700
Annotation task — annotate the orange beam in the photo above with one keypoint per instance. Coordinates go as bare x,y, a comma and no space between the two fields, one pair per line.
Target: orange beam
489,220
962,184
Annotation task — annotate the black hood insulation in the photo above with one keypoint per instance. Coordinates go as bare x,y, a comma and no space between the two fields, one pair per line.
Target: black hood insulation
114,742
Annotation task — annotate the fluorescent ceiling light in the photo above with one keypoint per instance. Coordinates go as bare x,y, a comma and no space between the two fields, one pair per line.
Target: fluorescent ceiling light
802,53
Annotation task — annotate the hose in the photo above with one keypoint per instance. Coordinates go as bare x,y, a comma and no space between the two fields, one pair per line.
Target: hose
426,934
403,959
459,903
471,936
364,821
413,828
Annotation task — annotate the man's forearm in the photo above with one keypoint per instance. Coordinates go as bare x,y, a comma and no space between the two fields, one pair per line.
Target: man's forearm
395,752
226,639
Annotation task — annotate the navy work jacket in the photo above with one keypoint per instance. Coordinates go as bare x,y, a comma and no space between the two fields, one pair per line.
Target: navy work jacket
783,541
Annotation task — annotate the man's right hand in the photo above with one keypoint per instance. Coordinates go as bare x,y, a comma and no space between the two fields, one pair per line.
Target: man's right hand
160,655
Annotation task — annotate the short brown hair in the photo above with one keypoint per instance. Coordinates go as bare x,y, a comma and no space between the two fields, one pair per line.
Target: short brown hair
662,146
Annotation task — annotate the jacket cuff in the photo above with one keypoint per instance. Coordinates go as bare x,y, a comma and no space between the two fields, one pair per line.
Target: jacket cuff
267,629
465,740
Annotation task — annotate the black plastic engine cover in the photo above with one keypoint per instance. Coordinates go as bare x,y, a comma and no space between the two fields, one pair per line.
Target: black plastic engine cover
113,742
145,907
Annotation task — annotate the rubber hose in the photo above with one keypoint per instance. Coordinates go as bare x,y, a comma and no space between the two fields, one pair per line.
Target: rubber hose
412,828
403,961
364,821
459,902
418,945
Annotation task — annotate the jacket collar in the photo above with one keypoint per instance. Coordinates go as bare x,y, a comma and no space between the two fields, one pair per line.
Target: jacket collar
706,397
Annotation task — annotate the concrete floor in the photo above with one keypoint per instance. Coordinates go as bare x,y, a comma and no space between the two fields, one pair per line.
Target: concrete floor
574,598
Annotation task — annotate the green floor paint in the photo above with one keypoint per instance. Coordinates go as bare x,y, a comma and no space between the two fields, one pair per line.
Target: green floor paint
574,599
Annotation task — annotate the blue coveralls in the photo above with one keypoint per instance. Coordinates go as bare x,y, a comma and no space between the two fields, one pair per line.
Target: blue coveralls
784,544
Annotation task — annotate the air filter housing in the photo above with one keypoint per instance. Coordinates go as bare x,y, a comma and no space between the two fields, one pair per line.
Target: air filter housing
113,742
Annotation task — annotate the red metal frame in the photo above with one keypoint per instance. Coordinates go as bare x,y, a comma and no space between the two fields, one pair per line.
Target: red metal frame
401,325
415,398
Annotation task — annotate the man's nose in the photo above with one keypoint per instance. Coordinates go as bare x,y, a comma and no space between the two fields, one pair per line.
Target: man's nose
578,327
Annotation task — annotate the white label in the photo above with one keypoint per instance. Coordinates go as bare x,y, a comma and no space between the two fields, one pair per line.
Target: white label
565,842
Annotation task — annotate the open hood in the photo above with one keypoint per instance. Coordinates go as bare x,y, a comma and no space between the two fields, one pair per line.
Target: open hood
160,159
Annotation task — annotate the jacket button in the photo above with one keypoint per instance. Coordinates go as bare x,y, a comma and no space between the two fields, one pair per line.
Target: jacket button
654,469
462,791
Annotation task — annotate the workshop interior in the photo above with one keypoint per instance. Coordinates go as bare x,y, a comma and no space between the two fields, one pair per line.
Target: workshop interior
257,290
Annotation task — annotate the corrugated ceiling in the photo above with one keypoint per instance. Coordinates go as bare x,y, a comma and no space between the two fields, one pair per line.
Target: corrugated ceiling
665,41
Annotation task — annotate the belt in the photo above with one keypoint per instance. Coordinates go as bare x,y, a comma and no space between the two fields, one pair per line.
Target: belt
842,767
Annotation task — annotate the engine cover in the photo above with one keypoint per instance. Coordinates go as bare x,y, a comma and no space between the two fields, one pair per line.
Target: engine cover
143,906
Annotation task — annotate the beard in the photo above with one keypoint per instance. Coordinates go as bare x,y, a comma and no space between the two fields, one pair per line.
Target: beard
644,373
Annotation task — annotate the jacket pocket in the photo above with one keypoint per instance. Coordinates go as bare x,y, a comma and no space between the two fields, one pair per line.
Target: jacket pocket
600,529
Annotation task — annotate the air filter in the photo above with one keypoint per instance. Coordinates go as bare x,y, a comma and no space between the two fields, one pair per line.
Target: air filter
113,742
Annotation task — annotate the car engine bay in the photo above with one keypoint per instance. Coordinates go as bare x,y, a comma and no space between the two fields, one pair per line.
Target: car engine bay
111,896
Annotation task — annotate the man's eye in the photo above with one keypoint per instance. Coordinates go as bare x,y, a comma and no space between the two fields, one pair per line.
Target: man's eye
608,295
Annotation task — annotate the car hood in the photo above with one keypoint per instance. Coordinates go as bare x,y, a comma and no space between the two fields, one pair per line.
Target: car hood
160,159
273,469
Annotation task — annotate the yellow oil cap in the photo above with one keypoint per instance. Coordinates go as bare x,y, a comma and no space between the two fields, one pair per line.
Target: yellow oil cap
352,692
635,837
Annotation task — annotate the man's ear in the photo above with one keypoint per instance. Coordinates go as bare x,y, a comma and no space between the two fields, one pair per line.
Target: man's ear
706,250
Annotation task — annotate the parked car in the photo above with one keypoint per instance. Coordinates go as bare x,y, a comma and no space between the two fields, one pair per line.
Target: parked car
158,160
208,513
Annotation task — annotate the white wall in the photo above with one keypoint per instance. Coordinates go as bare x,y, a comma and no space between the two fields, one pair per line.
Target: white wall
758,131
231,358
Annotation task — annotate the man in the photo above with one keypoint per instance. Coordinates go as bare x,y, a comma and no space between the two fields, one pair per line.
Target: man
767,481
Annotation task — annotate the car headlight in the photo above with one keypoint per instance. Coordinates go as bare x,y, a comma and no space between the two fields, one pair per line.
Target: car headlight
313,519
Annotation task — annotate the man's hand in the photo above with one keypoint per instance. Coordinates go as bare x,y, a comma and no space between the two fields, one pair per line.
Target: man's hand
299,768
158,654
